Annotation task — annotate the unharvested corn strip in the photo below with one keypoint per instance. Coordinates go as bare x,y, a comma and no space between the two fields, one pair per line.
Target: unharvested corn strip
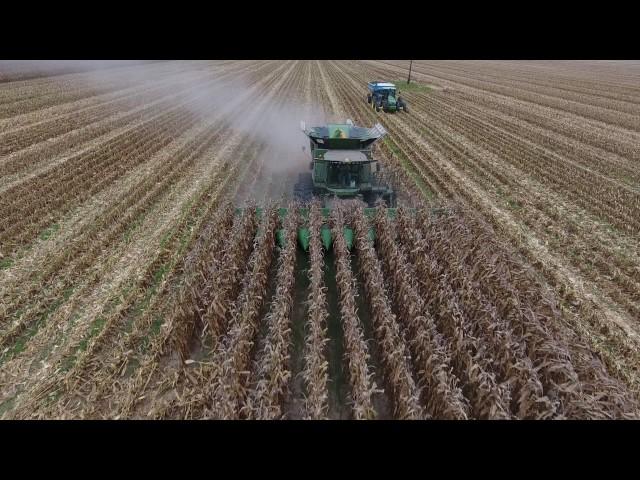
315,363
264,401
357,353
508,361
224,281
533,318
198,263
395,356
488,398
431,359
233,356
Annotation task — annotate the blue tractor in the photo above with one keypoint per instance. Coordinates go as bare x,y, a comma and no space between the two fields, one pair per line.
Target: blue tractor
384,95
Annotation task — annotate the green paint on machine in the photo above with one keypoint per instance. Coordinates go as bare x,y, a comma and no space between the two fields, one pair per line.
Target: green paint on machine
325,230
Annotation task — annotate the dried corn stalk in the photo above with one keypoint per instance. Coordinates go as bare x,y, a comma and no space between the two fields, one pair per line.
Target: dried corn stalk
508,361
199,262
535,322
488,398
395,356
264,401
356,351
233,356
315,363
429,352
225,280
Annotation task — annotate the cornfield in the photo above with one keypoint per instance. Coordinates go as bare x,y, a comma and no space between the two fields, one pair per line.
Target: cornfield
151,263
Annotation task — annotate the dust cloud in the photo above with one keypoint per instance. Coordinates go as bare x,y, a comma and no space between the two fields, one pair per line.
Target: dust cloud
215,91
25,69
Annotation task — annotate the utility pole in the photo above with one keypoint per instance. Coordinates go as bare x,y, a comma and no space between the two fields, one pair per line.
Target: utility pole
409,79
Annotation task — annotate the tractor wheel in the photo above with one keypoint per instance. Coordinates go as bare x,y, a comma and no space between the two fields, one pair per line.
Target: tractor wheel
368,98
377,108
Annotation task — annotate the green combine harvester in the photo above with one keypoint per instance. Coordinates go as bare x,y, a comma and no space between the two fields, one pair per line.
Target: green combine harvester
342,165
342,168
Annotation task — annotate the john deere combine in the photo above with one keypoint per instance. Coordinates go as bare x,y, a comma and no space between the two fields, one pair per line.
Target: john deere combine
384,96
342,165
342,168
326,236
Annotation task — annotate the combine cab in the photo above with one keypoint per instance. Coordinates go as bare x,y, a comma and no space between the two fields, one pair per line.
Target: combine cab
383,95
342,165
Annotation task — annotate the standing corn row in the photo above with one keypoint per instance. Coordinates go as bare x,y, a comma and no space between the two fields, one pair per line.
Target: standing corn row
532,317
508,358
198,264
357,354
315,369
393,348
431,359
221,284
488,398
265,400
225,281
233,356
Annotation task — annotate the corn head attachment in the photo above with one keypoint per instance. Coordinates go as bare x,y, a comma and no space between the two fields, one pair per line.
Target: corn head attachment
325,231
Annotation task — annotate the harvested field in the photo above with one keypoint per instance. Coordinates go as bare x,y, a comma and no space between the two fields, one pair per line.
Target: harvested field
138,278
